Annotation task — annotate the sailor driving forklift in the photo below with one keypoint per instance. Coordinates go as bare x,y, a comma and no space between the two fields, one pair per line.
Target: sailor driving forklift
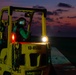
19,29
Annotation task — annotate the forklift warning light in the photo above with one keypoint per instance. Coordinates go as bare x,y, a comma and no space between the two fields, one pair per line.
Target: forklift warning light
13,37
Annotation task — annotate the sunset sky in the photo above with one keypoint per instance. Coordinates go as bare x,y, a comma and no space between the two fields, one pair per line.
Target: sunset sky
61,14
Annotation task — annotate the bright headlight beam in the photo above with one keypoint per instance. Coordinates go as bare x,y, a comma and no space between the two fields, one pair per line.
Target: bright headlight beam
44,39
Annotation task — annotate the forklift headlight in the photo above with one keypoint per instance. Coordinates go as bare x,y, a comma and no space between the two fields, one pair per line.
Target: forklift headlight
44,39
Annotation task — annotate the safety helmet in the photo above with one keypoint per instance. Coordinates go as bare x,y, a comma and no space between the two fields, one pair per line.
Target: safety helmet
21,21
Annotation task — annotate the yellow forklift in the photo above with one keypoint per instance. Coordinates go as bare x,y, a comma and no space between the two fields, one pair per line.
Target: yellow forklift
21,52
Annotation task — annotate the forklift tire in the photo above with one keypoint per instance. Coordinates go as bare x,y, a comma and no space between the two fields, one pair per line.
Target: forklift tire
6,73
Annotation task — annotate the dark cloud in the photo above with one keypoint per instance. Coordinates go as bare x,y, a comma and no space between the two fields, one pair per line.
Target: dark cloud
56,12
37,6
49,19
50,13
61,17
61,10
65,5
71,17
58,22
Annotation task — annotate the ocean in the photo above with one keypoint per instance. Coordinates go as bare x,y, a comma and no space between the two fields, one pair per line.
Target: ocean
67,46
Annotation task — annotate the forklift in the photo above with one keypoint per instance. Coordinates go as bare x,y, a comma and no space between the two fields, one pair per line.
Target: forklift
22,52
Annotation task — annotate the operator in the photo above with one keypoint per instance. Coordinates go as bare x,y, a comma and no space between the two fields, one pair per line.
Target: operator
19,29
